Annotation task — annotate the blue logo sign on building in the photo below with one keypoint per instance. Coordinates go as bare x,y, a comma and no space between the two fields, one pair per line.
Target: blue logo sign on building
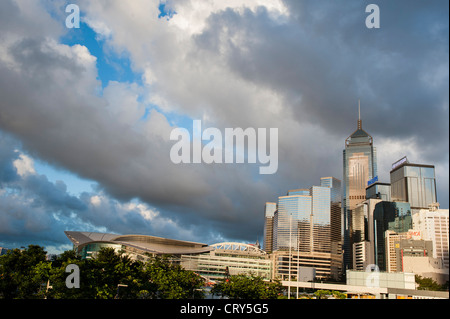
372,181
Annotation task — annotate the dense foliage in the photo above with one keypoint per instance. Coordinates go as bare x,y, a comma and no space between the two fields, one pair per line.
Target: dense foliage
27,274
325,294
248,287
429,284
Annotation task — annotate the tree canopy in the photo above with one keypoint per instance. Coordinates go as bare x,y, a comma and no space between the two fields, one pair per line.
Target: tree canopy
429,284
27,274
248,287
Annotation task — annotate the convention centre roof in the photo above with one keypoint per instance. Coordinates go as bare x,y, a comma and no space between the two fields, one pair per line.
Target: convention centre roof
150,244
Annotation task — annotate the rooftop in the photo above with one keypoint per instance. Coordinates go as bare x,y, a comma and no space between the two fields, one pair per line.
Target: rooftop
150,244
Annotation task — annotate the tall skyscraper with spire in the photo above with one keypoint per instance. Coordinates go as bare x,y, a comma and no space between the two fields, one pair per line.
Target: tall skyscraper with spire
360,166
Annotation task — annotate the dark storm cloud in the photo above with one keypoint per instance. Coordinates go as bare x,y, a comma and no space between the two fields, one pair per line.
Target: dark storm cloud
36,210
49,102
327,64
61,122
323,59
317,62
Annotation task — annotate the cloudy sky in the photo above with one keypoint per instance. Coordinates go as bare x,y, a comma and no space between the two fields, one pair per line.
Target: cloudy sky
86,113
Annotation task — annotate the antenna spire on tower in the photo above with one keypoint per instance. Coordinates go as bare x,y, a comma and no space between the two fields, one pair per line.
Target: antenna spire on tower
359,115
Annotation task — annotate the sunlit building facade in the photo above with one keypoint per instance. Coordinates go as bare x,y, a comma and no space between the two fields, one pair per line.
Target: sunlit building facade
360,166
433,224
363,247
269,214
307,224
228,259
413,183
292,220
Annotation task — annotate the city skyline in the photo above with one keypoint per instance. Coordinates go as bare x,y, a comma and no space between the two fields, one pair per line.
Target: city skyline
86,114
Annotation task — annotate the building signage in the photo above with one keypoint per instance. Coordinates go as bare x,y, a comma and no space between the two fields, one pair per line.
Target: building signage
372,181
414,234
400,162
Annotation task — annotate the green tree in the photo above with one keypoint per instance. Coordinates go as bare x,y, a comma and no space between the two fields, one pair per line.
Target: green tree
172,281
22,272
247,287
322,294
339,295
325,294
106,276
115,275
58,277
27,274
428,284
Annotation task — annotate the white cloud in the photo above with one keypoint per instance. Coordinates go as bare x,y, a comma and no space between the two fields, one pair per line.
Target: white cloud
192,15
96,200
24,165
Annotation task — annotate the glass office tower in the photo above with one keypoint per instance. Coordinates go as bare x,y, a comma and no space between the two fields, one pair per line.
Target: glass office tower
394,216
309,219
291,223
415,184
306,230
360,166
334,185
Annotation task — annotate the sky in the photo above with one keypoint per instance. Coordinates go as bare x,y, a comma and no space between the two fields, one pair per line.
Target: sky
86,113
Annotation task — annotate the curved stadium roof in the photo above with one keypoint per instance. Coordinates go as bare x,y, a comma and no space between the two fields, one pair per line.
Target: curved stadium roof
239,248
150,244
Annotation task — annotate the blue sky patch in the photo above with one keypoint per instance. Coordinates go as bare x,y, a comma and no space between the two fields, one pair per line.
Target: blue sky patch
165,11
111,66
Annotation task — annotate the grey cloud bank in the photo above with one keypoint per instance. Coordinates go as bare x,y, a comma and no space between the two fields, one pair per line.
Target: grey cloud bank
299,66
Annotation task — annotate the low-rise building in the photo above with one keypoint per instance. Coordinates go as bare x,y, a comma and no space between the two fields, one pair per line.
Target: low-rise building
139,247
229,259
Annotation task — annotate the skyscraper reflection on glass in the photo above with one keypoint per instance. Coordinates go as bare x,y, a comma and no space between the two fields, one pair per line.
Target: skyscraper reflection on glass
309,219
360,166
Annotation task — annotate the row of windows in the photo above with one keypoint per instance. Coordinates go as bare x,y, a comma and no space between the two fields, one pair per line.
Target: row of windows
357,197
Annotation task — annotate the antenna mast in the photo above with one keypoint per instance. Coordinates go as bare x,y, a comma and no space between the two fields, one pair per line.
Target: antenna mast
359,115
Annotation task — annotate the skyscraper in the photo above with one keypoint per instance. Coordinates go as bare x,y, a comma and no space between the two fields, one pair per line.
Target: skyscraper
334,185
413,183
360,166
292,221
269,213
334,233
433,225
306,229
393,216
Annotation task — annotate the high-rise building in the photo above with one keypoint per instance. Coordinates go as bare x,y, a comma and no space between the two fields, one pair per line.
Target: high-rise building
413,183
292,221
363,234
379,191
308,219
360,166
392,240
269,213
394,216
307,225
433,225
335,235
